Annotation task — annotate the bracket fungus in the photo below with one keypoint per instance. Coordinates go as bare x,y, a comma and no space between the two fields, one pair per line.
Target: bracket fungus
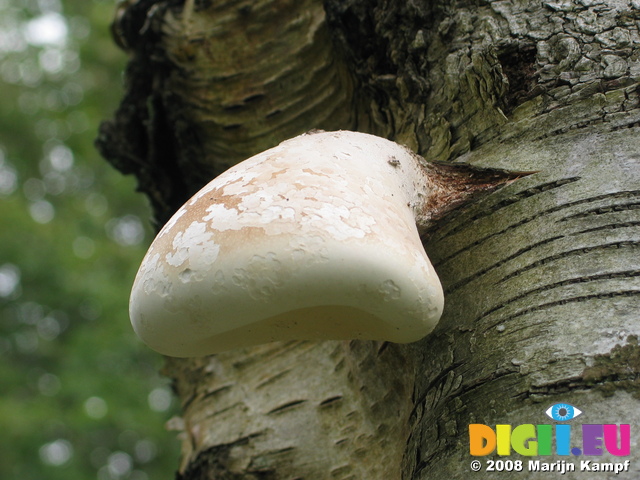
317,238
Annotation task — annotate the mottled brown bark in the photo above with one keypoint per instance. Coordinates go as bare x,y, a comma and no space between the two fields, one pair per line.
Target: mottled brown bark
541,278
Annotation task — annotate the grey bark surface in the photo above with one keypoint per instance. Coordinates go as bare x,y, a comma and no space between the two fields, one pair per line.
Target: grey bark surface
541,278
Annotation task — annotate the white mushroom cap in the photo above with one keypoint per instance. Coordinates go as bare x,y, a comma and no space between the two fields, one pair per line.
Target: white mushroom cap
313,239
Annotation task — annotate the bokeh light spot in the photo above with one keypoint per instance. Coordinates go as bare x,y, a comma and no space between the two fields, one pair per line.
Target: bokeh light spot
56,453
48,29
160,399
9,279
96,407
127,230
42,211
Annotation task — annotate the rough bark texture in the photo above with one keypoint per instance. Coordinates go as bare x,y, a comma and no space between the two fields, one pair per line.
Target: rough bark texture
541,278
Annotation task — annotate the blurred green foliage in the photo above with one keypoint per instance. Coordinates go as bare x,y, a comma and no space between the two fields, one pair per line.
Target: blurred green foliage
80,396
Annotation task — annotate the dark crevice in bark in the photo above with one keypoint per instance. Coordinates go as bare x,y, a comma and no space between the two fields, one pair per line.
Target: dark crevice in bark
568,253
217,391
222,411
132,21
331,401
616,207
465,281
611,226
519,66
564,301
552,286
286,406
355,27
273,378
215,463
437,381
606,196
491,236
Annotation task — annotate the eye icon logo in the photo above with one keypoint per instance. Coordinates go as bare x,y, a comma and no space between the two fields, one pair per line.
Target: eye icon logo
562,412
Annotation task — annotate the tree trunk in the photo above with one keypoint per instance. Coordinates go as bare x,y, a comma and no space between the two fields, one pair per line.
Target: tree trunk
541,278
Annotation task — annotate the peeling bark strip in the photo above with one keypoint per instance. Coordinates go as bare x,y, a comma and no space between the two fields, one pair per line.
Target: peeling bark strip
619,369
542,277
